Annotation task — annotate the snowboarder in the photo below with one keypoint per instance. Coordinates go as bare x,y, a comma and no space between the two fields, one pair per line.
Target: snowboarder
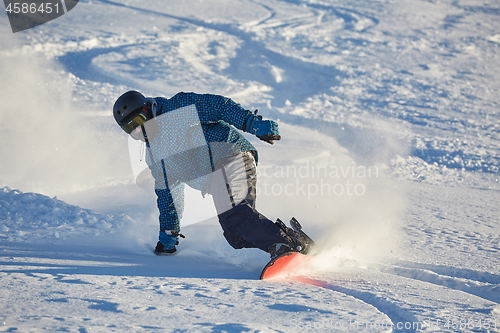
192,139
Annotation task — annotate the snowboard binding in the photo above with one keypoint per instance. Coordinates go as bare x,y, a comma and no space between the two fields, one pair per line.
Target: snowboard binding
300,241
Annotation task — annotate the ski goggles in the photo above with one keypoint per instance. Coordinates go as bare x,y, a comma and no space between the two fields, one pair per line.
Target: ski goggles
136,121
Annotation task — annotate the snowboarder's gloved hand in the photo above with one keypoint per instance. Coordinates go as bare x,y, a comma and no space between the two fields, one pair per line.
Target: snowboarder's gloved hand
266,130
168,239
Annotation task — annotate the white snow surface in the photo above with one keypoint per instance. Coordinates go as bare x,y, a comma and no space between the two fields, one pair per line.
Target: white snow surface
390,158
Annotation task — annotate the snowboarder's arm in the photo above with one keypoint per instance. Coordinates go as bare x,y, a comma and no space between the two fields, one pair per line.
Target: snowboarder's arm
170,205
214,108
223,108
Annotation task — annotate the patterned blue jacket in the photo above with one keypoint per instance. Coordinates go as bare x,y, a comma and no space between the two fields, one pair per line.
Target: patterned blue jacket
194,132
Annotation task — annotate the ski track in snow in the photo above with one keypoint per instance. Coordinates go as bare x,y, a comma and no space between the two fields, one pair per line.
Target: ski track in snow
421,69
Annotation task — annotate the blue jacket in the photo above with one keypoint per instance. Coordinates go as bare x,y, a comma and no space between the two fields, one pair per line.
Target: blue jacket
194,132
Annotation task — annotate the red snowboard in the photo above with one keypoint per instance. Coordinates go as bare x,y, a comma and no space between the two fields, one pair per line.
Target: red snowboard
284,265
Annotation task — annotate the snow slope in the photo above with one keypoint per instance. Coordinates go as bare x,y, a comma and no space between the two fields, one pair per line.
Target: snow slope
390,158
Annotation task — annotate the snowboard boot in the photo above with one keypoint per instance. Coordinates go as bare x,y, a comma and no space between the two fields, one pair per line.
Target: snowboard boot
299,241
306,241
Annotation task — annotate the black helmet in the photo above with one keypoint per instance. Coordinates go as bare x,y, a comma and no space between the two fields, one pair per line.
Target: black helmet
126,109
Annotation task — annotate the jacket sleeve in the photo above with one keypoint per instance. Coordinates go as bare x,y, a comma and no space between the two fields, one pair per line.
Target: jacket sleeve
170,202
213,108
